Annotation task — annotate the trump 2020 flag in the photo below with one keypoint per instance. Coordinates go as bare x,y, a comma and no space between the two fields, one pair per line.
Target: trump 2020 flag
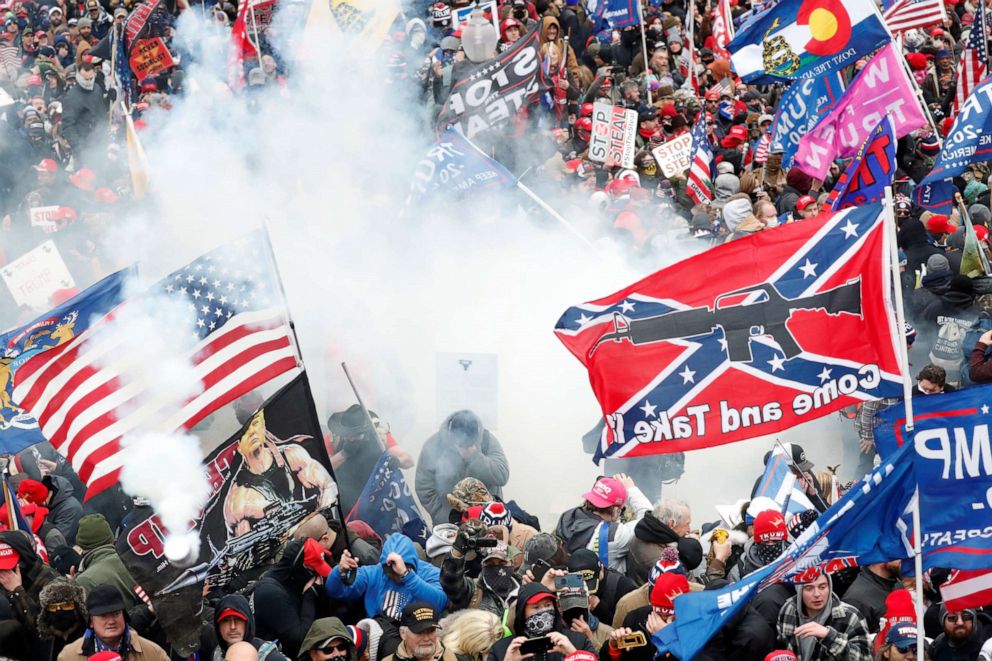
951,453
966,143
454,164
882,88
863,527
618,14
796,38
746,339
872,169
804,104
386,504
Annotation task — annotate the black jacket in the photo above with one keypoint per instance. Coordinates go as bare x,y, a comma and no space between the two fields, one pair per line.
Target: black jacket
239,604
612,587
64,511
83,112
943,650
283,611
498,651
867,594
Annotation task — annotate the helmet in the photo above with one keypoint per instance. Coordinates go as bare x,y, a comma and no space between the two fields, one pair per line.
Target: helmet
585,110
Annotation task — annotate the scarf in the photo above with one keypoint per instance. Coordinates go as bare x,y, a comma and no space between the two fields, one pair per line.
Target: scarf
87,85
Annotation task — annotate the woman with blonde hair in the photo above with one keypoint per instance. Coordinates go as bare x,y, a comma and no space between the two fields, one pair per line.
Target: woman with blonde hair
471,633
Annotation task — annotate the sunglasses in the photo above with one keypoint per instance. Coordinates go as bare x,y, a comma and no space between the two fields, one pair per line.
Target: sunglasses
963,617
906,649
334,647
60,606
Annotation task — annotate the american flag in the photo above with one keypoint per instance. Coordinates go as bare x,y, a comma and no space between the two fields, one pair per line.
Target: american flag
85,392
122,68
967,589
687,58
701,170
974,59
914,14
761,151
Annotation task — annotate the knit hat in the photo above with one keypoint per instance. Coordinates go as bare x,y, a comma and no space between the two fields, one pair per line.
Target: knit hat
666,588
801,521
373,632
467,492
668,563
441,539
93,531
726,185
496,514
938,266
32,491
769,526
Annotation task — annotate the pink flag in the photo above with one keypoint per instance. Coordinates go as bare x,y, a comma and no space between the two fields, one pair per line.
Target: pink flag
881,88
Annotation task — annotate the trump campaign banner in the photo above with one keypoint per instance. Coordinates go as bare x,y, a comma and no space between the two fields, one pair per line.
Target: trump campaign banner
727,345
882,88
494,91
455,165
806,102
952,458
870,172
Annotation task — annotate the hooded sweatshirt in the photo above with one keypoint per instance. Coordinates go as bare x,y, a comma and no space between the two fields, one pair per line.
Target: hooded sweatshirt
267,651
323,629
283,611
570,62
35,575
581,642
380,593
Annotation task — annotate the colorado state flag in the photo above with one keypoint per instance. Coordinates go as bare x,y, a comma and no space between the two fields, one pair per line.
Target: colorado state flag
807,37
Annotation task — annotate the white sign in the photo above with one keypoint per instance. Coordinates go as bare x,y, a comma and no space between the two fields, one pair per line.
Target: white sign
45,217
468,381
460,16
34,276
674,156
613,132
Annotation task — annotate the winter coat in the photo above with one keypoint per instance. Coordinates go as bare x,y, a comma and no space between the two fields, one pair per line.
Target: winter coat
579,640
324,629
102,566
579,529
267,651
613,587
913,241
979,369
142,649
83,113
440,467
651,535
283,610
745,637
867,594
441,653
570,62
846,640
380,593
465,592
35,575
629,602
943,650
64,511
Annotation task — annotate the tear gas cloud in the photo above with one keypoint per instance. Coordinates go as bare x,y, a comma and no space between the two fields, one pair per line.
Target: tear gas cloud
325,164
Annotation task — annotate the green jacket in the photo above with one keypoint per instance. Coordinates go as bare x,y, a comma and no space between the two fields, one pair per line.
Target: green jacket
102,566
321,630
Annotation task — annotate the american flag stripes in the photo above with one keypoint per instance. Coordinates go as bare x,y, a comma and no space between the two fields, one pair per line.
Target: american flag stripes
967,589
761,151
698,185
723,28
914,14
87,393
974,59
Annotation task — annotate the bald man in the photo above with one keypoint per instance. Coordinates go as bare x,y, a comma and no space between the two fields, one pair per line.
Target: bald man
242,651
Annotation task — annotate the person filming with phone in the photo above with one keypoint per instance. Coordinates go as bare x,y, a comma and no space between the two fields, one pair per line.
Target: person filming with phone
540,633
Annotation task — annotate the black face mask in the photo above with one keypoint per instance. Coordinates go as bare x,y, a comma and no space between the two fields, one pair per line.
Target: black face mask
64,620
499,579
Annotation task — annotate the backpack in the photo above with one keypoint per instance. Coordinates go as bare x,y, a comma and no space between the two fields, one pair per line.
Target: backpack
977,328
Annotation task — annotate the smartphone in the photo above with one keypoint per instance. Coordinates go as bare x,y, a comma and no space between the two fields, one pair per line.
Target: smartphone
631,640
536,645
539,569
572,581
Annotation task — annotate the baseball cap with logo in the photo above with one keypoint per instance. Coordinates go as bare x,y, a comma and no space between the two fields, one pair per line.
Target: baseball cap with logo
902,636
799,457
419,617
8,556
781,655
586,563
769,526
805,201
607,492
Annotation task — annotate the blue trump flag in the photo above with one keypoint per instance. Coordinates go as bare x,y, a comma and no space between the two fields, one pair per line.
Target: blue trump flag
865,526
952,456
796,38
969,141
386,504
618,14
18,429
455,165
779,488
872,169
801,108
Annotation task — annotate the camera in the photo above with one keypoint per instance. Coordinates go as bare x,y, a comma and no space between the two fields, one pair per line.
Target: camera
475,543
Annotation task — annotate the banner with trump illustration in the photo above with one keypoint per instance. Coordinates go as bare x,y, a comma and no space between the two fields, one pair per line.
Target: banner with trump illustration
264,480
746,339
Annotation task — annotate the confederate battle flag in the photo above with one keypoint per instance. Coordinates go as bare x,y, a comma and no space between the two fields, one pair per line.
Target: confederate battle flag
746,339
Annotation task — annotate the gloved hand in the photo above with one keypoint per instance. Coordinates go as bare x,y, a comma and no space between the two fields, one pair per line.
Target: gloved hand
313,557
468,532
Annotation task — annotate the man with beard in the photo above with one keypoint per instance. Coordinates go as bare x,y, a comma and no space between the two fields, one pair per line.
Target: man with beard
272,475
357,449
963,636
328,640
418,633
870,590
496,584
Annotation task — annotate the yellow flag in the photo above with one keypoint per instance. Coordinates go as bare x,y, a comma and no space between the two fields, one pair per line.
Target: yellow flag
136,160
366,20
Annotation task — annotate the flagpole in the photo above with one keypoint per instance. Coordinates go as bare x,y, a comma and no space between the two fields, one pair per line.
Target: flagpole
970,230
287,316
644,49
899,337
917,92
257,43
554,214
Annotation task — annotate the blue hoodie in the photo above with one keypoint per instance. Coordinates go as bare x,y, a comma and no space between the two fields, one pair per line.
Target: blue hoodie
382,595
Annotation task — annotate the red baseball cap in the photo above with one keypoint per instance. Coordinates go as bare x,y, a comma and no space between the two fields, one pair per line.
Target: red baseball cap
769,526
939,224
805,201
607,492
543,594
781,655
8,556
981,232
47,165
230,612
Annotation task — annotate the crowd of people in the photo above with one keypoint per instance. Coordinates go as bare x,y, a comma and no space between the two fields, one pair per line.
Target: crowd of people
490,583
